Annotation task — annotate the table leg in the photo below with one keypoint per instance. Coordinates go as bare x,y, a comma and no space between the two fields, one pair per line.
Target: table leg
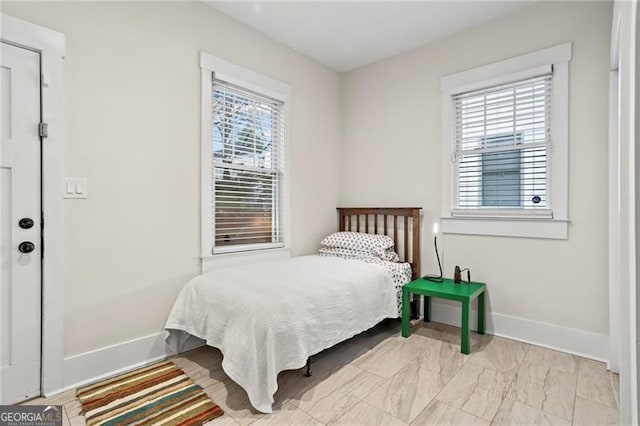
405,312
427,309
481,313
465,337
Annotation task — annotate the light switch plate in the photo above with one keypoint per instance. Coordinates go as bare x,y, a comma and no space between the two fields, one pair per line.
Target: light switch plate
74,188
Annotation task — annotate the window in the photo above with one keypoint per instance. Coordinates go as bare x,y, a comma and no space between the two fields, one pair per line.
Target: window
505,147
502,136
247,146
244,178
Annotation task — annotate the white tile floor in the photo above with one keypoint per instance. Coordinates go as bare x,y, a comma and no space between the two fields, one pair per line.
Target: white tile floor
380,378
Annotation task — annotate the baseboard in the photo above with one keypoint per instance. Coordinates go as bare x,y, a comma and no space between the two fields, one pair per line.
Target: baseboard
89,367
578,342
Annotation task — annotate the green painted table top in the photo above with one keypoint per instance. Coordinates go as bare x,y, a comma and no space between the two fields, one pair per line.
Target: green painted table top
447,289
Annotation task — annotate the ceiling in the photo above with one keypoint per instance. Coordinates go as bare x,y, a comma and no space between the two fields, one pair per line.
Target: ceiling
346,35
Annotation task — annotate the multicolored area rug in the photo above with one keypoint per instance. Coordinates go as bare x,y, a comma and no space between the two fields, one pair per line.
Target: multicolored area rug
160,394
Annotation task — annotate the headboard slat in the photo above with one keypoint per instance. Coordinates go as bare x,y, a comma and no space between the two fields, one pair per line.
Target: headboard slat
416,241
406,240
395,231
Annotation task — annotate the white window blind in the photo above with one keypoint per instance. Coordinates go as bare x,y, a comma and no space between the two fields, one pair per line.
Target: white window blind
502,149
248,135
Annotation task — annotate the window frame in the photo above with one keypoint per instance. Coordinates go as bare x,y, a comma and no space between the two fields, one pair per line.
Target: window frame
511,222
213,66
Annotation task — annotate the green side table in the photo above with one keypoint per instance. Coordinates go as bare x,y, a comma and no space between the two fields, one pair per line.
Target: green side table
447,289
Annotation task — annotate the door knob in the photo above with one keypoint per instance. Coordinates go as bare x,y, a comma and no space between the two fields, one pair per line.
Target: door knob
25,223
26,247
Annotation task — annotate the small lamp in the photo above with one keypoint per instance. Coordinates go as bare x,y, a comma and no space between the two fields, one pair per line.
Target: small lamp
436,278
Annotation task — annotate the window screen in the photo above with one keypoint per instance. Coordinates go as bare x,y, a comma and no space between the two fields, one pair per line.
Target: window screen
502,149
248,133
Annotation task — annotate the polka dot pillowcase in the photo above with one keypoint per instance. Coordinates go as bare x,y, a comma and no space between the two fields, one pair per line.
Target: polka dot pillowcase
380,246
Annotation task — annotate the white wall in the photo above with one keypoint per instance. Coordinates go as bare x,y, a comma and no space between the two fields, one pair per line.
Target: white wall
132,79
392,146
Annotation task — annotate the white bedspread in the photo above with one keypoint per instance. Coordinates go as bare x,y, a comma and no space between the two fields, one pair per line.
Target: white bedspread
271,316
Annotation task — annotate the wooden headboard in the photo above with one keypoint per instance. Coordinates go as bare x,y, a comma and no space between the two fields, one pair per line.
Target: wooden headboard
385,220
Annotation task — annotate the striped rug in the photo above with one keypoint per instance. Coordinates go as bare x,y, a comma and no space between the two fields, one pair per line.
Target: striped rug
160,394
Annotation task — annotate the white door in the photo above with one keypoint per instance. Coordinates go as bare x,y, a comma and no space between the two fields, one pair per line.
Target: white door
20,226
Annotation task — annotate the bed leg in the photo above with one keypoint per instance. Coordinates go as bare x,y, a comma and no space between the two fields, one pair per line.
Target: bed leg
308,373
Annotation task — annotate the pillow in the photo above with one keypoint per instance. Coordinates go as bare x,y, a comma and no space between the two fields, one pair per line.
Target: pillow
372,244
388,255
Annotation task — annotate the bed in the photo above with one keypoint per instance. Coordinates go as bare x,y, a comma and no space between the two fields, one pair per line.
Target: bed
272,316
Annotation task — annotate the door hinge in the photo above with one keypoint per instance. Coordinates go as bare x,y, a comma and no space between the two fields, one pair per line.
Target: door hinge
43,130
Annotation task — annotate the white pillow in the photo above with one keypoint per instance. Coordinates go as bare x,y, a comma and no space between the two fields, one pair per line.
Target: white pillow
372,244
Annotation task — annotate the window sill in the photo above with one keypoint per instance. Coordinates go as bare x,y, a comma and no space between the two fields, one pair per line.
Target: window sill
246,248
502,214
216,261
556,229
